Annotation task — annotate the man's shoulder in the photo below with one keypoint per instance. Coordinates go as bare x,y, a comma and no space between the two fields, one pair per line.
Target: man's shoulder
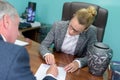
7,44
10,47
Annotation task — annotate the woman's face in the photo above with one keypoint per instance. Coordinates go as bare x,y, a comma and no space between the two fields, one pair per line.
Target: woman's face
74,27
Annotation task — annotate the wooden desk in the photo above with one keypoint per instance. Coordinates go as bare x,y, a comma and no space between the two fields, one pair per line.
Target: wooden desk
61,60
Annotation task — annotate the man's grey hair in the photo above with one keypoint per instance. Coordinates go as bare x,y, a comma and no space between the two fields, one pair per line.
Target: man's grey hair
7,8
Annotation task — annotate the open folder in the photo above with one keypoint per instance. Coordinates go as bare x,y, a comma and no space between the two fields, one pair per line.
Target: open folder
41,72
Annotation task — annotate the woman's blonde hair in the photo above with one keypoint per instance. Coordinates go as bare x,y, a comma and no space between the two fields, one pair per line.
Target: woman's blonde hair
86,16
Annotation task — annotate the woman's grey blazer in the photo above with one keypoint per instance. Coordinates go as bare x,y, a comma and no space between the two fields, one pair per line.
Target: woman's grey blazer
56,37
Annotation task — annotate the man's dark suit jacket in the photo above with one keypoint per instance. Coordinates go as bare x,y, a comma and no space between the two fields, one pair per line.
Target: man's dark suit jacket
14,63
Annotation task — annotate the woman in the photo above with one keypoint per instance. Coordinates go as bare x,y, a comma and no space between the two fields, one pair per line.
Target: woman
71,37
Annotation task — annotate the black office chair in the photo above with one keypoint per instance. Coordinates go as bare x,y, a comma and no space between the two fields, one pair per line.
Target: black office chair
69,8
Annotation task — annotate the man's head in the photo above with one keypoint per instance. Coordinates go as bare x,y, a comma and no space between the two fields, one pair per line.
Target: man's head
81,20
9,21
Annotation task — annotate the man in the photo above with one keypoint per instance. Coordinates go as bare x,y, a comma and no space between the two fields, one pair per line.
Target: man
72,37
14,60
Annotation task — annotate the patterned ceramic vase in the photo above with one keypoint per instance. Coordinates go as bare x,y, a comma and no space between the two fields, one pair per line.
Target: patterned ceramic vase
99,56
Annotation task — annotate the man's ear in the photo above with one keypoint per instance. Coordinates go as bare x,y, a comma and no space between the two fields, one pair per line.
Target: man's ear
6,21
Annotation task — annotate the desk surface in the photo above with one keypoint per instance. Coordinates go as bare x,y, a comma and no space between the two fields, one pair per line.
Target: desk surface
61,60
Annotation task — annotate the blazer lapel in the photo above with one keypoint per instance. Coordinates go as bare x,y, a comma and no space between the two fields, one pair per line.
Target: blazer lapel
62,35
80,44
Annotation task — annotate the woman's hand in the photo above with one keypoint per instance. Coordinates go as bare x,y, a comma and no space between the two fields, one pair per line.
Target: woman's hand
49,59
72,67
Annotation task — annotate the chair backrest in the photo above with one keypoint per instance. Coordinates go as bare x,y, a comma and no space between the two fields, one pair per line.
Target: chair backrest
69,8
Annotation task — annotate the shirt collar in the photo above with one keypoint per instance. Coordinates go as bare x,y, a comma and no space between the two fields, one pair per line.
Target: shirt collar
3,38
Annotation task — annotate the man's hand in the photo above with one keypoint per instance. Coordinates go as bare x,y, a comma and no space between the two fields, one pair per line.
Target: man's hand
52,70
72,67
49,59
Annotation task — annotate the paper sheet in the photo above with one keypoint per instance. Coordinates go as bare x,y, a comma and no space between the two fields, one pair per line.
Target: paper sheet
21,43
35,24
41,72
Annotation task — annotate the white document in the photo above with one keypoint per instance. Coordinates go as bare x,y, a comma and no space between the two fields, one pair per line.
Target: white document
35,24
41,72
21,43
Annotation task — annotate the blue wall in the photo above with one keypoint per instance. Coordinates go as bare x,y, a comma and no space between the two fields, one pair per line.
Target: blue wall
19,5
49,11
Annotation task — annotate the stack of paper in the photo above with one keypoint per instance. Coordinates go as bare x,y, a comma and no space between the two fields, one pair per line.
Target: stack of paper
21,43
41,72
35,24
